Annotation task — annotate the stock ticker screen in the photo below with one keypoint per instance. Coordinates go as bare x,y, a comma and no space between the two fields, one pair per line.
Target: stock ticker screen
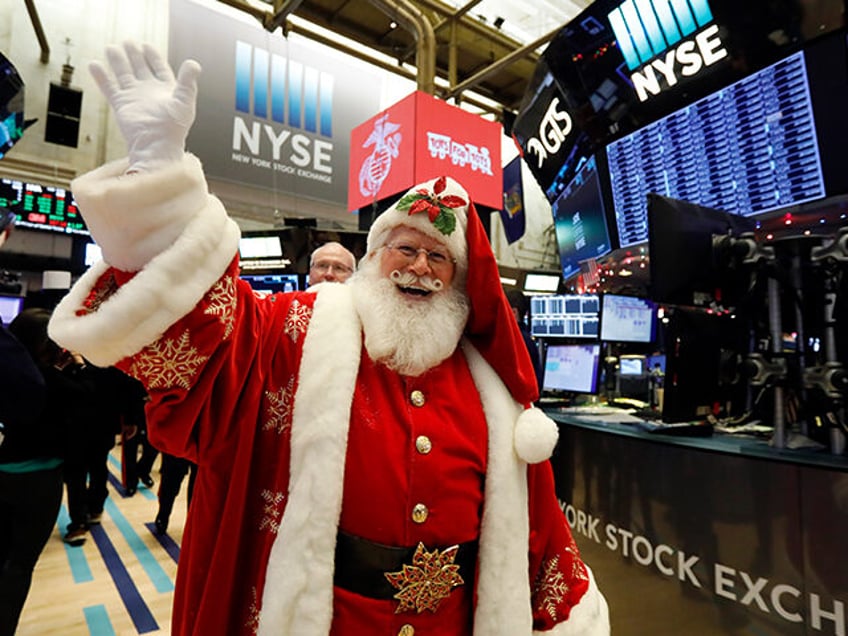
42,207
746,149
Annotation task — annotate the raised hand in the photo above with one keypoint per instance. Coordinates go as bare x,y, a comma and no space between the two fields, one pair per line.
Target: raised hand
154,109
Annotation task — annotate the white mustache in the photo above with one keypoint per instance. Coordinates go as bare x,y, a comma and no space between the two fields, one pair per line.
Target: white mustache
408,279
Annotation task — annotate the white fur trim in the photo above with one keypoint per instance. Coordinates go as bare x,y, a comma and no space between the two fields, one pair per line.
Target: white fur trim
503,584
136,217
298,594
535,436
590,617
455,242
163,292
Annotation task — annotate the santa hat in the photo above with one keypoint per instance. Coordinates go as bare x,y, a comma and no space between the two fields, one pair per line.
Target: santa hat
442,209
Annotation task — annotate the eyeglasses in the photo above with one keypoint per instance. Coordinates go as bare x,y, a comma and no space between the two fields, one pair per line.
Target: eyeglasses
437,258
326,267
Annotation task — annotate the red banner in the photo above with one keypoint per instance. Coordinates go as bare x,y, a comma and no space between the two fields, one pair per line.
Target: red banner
420,138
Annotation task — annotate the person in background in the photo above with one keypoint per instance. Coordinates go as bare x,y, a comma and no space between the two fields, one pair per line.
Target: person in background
38,419
174,470
135,468
30,485
331,262
521,309
369,460
112,394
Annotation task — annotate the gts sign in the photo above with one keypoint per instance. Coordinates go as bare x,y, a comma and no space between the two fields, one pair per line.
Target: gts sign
651,35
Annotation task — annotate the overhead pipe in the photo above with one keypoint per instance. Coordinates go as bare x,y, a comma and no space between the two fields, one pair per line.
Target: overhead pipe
282,10
39,31
505,61
410,17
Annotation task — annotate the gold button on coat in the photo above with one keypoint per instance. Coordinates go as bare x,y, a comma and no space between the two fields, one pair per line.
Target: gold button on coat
420,513
417,398
423,444
407,630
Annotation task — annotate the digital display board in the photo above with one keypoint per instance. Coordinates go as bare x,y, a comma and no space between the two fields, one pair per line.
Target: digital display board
627,319
748,148
566,316
580,220
41,207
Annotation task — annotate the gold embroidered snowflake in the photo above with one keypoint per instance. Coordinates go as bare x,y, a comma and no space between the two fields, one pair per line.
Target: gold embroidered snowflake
279,409
271,511
428,581
297,320
222,303
551,588
252,622
168,362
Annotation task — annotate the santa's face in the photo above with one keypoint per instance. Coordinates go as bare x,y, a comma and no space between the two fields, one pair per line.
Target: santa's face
413,317
419,264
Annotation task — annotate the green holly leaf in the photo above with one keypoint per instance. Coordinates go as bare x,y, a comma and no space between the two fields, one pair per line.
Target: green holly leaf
446,221
407,200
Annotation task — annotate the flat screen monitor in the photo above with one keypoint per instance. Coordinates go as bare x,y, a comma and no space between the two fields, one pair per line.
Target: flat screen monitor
541,282
93,253
632,365
564,316
627,319
580,220
688,266
572,368
10,306
260,247
272,283
748,148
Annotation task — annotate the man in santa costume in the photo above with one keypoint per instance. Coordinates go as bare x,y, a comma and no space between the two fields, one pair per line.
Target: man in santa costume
368,463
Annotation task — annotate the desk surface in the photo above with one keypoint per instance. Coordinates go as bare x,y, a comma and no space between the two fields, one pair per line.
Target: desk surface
620,422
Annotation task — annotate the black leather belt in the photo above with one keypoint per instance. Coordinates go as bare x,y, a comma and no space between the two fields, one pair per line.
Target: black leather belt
362,565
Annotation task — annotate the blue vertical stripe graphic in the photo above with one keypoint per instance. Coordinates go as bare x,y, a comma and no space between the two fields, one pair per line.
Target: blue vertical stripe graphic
310,99
243,55
278,88
665,15
326,107
652,27
295,91
703,14
260,83
646,28
270,85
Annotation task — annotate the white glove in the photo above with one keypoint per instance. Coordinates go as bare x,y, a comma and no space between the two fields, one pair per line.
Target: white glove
154,110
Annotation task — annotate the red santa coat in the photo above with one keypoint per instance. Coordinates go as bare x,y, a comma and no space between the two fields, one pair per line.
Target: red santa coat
299,434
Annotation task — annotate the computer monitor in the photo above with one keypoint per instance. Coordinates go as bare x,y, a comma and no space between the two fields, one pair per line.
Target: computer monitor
10,306
703,366
689,264
564,316
272,283
541,282
632,365
627,319
580,221
572,368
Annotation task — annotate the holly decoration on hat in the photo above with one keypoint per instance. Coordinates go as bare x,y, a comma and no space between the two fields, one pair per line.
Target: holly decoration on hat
439,207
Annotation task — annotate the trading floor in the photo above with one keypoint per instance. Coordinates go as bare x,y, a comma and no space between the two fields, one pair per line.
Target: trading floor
121,581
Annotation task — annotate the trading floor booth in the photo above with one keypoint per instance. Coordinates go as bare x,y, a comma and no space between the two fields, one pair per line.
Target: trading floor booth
709,139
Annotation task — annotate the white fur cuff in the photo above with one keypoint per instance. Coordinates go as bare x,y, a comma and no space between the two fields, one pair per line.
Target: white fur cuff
535,436
135,217
164,291
590,617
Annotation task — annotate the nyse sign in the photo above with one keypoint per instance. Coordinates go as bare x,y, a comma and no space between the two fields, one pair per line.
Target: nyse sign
648,34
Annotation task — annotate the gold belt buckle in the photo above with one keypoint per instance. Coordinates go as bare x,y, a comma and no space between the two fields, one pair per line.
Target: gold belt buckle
428,581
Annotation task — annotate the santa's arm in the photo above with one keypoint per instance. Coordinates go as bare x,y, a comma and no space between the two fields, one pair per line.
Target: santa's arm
165,240
566,599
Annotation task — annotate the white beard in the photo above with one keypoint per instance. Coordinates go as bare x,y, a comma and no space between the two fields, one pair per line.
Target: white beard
409,336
